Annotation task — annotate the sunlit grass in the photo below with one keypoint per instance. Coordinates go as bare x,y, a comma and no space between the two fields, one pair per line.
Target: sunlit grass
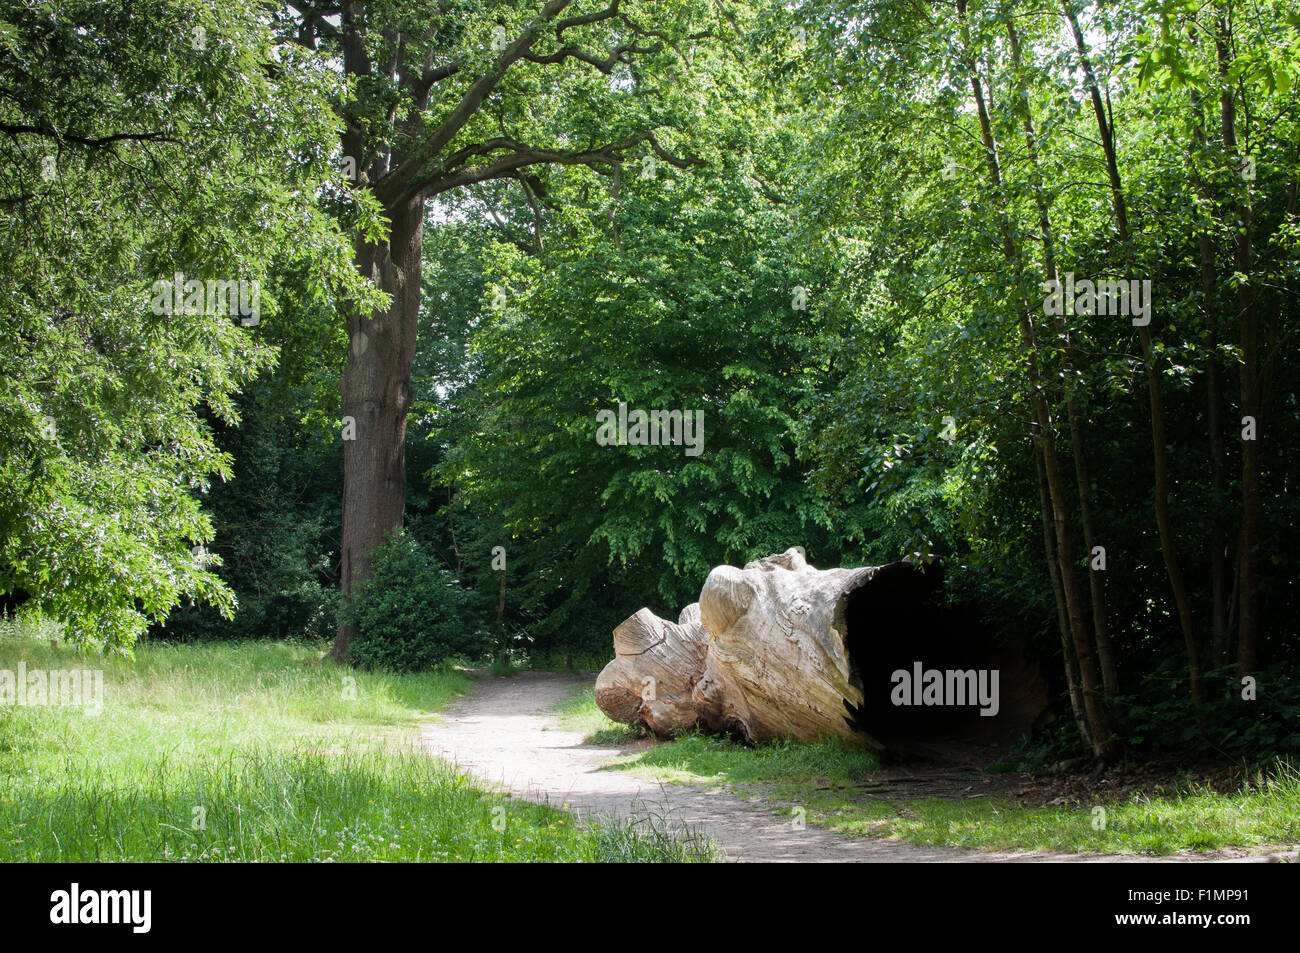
581,713
263,752
1266,815
699,757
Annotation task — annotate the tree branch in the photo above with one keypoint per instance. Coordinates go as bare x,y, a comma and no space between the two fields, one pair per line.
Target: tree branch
521,156
17,129
622,54
400,183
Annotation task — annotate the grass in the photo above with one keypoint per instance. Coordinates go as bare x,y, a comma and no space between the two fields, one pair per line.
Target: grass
700,758
580,713
263,752
819,778
1268,814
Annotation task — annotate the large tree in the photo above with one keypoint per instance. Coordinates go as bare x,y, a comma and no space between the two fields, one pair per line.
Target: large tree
446,95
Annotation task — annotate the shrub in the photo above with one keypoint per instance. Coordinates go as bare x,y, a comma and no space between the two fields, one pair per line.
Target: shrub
412,614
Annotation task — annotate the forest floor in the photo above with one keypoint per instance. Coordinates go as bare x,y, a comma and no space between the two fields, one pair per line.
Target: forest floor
507,733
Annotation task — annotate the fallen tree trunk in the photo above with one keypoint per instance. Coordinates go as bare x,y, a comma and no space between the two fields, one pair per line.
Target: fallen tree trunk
780,649
656,665
763,655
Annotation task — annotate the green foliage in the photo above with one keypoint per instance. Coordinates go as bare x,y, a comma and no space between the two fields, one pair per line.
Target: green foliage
412,614
928,303
640,317
274,520
1253,731
128,154
838,151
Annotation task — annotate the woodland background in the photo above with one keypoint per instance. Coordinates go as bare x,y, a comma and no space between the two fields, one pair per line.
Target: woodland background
625,214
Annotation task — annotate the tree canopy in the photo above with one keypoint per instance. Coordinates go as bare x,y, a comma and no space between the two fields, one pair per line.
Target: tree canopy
1009,284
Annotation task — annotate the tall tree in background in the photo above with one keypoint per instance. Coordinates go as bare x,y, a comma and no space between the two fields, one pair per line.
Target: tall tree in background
446,97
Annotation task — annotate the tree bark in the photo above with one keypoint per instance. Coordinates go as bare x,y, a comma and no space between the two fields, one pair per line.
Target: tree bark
1062,618
655,668
376,395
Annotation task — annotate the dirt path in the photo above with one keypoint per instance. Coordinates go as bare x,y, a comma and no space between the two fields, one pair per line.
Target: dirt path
504,734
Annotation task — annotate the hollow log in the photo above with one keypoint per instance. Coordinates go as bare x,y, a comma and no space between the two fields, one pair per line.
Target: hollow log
763,655
780,649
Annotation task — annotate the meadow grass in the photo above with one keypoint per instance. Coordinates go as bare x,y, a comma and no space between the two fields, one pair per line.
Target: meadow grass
820,777
263,752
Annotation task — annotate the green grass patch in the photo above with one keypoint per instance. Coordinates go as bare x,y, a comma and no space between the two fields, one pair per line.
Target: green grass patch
263,752
820,777
701,758
581,713
1268,814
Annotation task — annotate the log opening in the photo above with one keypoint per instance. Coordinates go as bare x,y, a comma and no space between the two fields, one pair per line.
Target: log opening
894,623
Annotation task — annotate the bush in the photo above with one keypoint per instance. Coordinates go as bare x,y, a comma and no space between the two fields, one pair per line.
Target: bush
412,614
1255,731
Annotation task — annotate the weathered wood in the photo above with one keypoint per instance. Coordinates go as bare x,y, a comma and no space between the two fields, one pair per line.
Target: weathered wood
654,670
780,649
763,655
777,664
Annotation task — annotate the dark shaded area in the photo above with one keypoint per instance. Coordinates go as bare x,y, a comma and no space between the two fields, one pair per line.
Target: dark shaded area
900,619
11,599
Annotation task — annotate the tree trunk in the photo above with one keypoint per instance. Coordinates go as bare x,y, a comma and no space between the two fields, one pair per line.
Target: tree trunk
1214,411
1251,502
376,395
763,655
655,668
1078,428
1160,458
1062,618
503,646
1099,721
